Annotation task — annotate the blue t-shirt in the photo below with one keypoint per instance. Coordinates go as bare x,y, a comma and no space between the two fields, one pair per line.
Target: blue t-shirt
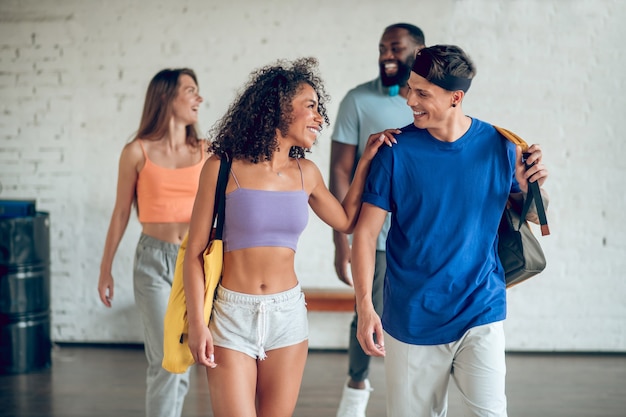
368,108
443,271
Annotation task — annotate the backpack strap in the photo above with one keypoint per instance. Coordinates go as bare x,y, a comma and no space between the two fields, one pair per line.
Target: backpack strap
512,137
534,193
219,207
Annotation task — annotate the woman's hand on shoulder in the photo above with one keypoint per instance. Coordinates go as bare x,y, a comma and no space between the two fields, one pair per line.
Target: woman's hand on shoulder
376,140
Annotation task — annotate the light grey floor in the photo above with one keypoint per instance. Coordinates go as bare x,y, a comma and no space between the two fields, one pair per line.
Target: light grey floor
109,381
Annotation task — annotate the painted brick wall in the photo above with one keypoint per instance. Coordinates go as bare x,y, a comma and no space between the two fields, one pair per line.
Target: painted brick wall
73,75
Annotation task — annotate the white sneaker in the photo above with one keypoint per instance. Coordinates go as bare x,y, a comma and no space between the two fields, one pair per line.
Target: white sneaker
354,401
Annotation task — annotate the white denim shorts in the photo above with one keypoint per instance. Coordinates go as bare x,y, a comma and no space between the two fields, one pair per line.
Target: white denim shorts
255,324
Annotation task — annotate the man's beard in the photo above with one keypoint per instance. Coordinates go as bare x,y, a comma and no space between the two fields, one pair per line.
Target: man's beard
400,78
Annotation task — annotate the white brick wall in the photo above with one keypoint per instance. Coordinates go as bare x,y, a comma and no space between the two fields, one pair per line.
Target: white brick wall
73,75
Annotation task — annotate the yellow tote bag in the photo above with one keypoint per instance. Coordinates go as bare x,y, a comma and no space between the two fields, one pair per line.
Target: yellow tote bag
176,354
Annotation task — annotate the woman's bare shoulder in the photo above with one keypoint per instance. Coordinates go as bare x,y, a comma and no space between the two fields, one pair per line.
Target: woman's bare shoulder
211,165
309,167
133,151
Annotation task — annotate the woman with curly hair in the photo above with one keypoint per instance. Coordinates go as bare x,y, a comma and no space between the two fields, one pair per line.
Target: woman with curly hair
256,344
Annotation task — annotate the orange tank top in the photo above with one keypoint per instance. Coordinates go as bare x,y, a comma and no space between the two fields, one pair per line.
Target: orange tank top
166,195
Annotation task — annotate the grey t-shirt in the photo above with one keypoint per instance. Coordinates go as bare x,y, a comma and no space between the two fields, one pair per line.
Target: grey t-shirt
368,108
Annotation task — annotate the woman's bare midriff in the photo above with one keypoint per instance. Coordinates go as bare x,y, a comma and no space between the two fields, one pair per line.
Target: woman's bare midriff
167,232
260,270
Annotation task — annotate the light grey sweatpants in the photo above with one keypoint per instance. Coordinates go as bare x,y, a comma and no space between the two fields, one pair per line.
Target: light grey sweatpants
418,375
152,278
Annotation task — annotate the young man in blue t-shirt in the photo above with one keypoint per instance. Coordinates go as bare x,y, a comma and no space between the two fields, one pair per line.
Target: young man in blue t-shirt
446,183
368,108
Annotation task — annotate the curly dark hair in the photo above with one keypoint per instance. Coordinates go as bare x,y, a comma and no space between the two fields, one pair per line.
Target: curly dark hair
248,129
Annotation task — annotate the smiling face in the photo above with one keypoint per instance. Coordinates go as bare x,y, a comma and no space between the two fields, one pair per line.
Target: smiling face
396,53
305,122
431,104
187,101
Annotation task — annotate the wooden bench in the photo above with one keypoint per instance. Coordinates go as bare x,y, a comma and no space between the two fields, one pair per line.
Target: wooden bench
330,300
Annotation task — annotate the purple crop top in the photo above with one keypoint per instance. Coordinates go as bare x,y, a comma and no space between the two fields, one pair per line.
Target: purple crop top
256,218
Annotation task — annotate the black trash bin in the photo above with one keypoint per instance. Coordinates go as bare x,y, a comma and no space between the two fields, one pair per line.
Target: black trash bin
25,343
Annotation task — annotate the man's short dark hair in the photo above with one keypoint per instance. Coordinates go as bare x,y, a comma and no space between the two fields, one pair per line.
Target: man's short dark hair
415,32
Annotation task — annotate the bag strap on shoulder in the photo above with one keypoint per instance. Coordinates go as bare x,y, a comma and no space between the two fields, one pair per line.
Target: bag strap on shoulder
219,206
534,193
